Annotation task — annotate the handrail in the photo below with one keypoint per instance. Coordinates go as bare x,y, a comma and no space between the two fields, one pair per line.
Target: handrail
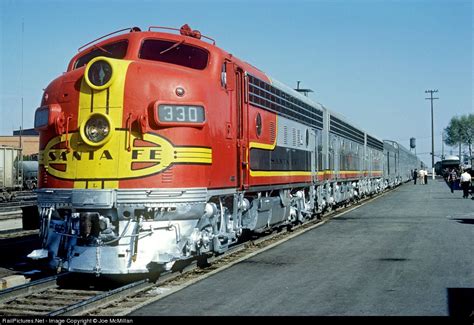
130,29
161,27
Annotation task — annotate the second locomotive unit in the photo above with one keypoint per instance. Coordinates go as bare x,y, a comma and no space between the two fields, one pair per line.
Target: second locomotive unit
158,147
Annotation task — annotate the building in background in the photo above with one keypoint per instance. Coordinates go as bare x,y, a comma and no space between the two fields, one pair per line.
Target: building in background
29,141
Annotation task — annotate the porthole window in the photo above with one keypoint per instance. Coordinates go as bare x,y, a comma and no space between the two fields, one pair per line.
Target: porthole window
258,123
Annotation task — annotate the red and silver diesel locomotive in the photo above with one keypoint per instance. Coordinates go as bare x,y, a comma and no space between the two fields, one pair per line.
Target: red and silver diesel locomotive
159,147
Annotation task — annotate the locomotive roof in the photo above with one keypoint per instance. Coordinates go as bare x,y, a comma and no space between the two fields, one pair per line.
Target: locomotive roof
136,33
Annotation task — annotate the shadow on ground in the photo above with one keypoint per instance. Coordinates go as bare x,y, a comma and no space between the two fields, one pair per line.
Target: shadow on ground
461,302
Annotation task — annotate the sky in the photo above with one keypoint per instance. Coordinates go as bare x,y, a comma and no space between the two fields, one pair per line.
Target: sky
369,60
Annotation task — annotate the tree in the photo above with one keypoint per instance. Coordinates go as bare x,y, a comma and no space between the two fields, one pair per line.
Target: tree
460,131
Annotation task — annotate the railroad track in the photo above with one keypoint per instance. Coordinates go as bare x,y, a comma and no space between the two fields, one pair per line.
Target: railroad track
46,298
5,206
17,199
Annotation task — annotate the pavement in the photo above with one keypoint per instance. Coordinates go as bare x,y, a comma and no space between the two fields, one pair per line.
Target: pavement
407,253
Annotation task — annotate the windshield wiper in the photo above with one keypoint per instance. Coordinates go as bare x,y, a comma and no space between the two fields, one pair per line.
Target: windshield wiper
102,49
172,46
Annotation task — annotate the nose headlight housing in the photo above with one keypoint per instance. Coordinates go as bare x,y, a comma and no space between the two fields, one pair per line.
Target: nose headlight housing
96,130
99,73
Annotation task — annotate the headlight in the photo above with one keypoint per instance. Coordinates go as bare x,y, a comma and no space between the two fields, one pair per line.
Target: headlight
96,130
46,116
99,73
41,117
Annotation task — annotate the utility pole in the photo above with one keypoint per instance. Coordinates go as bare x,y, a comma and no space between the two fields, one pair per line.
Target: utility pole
432,125
442,145
21,80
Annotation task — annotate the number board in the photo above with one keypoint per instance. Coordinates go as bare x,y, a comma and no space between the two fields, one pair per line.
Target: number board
181,114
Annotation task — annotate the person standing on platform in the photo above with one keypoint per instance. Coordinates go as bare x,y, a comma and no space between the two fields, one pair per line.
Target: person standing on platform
421,174
465,183
426,176
452,179
415,176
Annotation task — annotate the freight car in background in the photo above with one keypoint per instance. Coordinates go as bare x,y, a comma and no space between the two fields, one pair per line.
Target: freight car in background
18,181
16,174
11,177
30,174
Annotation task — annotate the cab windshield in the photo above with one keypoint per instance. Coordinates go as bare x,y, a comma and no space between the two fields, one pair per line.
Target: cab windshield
115,50
174,52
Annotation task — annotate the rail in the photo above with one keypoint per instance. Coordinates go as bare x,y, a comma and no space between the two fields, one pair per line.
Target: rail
18,199
101,299
28,288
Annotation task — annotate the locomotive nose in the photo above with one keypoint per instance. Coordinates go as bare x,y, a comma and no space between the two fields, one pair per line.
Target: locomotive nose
88,150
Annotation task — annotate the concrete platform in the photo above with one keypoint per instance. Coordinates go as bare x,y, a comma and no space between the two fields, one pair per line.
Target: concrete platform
10,224
12,281
408,253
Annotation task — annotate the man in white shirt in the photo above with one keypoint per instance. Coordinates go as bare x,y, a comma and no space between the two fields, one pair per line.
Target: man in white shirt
421,176
465,183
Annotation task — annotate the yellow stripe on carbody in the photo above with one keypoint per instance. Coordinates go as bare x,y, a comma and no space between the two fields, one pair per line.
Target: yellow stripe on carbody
332,172
304,173
254,173
263,146
193,155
